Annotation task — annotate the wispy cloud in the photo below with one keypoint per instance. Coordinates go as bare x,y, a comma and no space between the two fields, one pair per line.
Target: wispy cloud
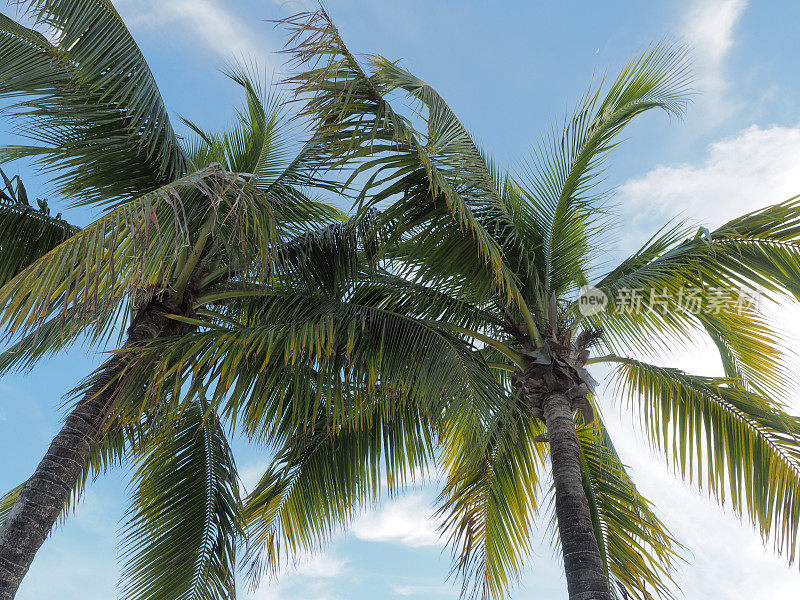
709,27
204,24
320,566
407,520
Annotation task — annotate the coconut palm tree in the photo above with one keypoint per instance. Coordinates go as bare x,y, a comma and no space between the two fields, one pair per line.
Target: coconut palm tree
212,233
513,250
179,221
183,223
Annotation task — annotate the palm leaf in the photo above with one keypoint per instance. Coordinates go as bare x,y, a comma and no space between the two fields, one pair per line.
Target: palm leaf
561,180
489,500
322,477
184,525
739,445
25,233
355,121
89,102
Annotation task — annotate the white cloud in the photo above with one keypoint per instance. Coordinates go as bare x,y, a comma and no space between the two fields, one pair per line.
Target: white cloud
422,591
320,566
709,27
749,170
205,24
407,520
309,578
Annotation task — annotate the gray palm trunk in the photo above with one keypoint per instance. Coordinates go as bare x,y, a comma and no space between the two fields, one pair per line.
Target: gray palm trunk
583,563
44,496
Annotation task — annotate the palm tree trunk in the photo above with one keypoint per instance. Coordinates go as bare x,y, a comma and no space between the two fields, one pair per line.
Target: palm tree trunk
45,494
583,564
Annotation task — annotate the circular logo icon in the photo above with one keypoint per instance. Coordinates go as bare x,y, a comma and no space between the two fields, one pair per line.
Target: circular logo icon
591,300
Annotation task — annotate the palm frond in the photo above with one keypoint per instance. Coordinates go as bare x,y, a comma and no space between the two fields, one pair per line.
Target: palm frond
184,526
300,352
139,247
7,502
60,332
322,477
88,102
737,444
754,253
490,499
562,178
26,233
359,127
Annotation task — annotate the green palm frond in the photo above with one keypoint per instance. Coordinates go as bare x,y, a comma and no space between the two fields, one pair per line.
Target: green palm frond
140,247
490,499
88,102
562,178
759,249
26,233
185,519
134,247
323,476
639,552
360,128
753,253
457,166
738,445
60,332
260,145
258,142
301,352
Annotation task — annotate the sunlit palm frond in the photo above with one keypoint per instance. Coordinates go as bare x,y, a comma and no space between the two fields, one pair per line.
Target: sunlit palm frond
323,476
185,520
490,499
141,246
735,263
60,332
360,128
134,247
740,446
458,164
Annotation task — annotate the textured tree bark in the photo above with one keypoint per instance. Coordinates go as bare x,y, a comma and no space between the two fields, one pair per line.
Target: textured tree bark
583,563
45,494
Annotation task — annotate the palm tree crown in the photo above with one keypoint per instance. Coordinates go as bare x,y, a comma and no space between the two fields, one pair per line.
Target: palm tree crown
500,258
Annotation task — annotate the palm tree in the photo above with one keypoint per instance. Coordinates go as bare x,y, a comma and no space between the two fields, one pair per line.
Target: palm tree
181,222
498,259
200,239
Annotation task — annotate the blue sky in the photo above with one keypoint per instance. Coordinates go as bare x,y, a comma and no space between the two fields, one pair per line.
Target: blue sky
507,68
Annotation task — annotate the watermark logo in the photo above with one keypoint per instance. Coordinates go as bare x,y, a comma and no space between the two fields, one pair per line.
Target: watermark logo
691,300
591,301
